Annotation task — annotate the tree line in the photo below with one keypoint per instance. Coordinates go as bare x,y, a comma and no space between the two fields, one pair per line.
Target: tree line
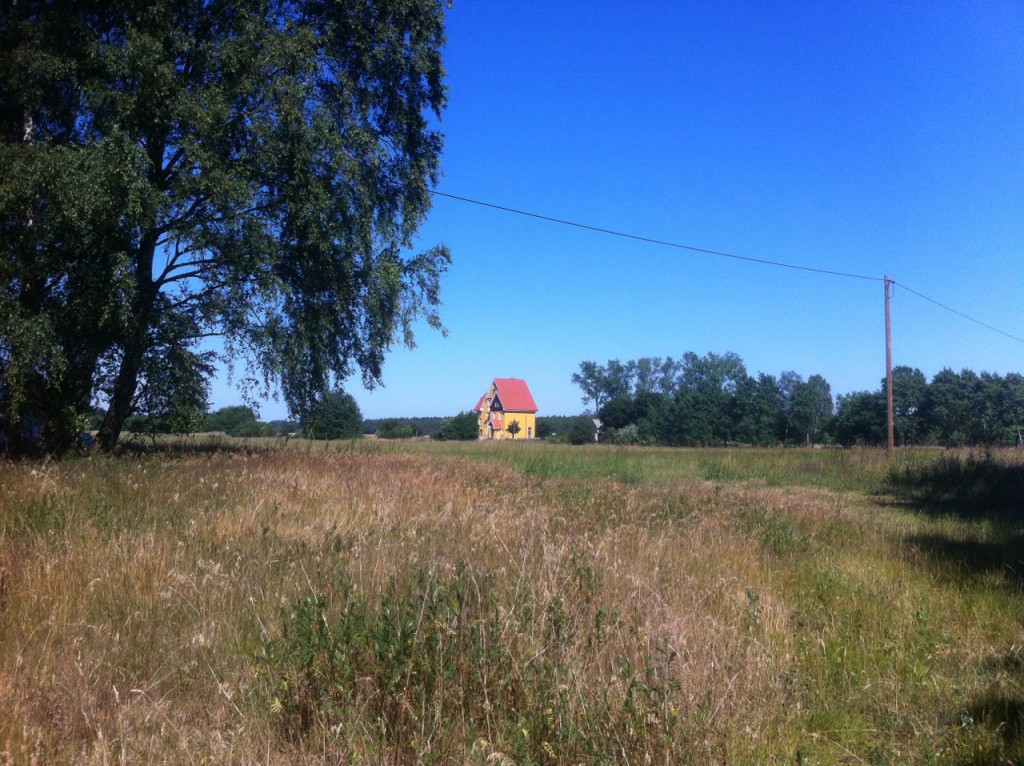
713,400
955,409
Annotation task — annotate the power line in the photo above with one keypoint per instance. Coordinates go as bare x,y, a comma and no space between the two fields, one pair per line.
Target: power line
958,313
719,253
652,241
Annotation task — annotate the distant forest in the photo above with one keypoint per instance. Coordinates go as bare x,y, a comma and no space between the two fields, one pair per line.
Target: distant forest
552,425
713,400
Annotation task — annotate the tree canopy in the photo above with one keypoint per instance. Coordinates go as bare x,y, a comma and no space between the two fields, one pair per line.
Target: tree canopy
335,416
229,419
709,400
712,400
249,169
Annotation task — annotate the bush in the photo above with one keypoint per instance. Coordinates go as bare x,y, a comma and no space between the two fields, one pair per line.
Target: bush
463,427
627,435
582,431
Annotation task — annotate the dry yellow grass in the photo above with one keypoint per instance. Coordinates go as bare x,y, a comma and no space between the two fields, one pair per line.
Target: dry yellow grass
761,623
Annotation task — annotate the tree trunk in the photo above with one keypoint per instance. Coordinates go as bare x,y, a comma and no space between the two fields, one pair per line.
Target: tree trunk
122,395
127,381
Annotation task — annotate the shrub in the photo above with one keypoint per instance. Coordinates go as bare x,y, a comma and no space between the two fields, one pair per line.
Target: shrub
582,431
463,427
627,435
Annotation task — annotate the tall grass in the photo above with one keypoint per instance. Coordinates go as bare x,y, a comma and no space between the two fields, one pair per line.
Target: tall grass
423,603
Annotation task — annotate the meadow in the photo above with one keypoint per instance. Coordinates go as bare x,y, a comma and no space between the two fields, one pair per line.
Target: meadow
426,603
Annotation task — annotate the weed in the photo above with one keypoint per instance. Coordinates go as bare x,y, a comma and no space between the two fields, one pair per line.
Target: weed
431,663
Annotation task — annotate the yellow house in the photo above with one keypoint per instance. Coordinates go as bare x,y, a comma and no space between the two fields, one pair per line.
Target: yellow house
507,401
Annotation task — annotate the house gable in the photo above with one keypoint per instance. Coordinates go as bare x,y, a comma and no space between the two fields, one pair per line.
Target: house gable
508,400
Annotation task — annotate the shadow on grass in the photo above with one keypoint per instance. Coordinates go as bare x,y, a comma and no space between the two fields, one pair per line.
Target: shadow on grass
968,558
134,446
972,487
200,445
1002,718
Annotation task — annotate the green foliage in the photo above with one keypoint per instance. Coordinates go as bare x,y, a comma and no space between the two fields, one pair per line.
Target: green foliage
860,419
462,427
807,408
628,435
582,431
393,428
545,428
618,413
555,426
164,184
711,400
603,383
335,416
908,386
513,428
440,654
704,400
254,429
230,419
421,426
758,408
173,385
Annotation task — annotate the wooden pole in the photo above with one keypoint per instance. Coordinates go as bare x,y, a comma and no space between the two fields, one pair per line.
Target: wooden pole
888,369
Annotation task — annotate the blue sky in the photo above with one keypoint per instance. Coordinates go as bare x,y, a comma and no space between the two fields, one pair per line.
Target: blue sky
872,138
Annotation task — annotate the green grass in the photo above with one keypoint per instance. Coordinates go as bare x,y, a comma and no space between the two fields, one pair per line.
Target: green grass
864,470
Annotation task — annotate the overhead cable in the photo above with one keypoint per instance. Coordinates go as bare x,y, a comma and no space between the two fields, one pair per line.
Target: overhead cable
652,241
719,253
958,313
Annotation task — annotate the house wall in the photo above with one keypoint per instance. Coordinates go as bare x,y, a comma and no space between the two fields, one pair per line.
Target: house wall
484,414
527,425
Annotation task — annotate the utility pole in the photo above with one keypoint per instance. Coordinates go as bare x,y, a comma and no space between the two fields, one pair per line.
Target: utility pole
888,368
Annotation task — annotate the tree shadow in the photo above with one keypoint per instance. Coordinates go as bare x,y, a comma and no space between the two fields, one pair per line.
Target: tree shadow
136,445
1003,557
1003,718
983,489
1000,715
972,487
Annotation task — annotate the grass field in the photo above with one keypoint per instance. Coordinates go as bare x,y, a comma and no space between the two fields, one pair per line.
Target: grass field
383,603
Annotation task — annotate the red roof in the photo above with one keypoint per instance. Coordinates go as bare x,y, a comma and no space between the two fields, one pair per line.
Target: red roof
480,404
515,395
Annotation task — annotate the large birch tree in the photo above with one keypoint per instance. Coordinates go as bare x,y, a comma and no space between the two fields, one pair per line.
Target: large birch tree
177,169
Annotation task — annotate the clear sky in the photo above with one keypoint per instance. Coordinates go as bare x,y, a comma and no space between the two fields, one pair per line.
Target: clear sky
871,137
